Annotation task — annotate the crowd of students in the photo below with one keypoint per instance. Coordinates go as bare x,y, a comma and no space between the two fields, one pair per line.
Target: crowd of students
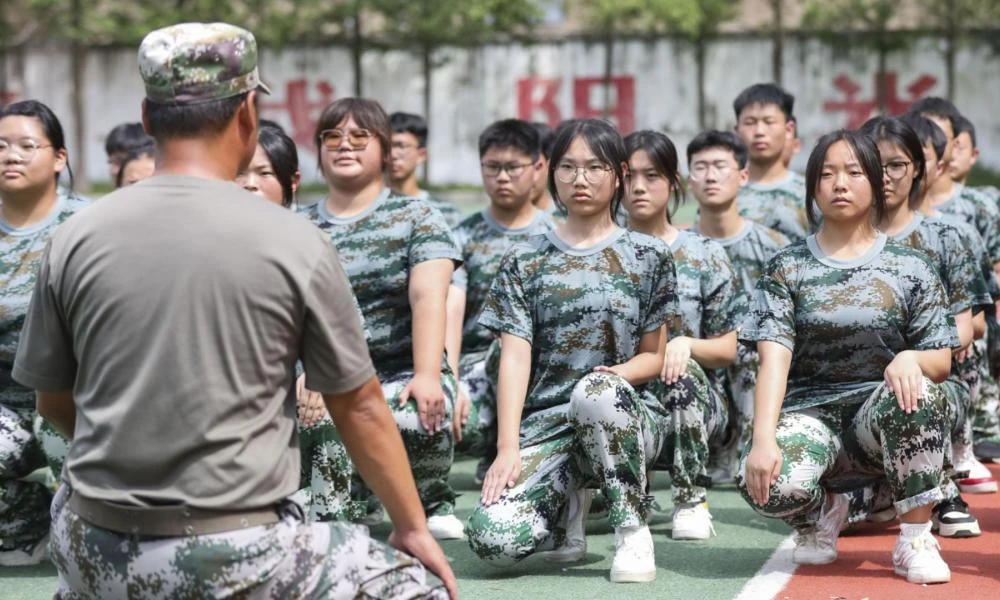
826,341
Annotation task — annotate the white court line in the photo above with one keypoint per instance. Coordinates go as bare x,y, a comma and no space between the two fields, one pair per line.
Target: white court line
773,576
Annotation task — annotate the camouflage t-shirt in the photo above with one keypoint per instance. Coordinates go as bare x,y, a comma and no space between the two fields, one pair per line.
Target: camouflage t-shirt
750,250
21,251
483,243
708,295
845,321
451,214
977,211
780,206
977,248
991,192
378,247
954,261
580,307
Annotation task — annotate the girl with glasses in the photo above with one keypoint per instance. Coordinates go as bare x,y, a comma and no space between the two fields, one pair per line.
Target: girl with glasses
33,158
399,255
581,314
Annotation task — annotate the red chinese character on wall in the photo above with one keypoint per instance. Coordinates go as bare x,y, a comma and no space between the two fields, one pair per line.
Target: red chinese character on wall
536,100
7,97
858,110
303,112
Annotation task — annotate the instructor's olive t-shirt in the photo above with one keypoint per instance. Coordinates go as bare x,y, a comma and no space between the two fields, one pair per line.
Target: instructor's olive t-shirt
175,310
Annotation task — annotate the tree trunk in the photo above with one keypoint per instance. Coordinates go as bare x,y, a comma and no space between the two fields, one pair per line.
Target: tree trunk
427,58
883,55
357,48
78,65
699,59
950,41
609,48
778,38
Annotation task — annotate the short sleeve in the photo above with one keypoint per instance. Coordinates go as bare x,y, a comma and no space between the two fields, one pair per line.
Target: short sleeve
930,325
771,317
506,308
45,360
964,285
661,306
460,277
724,305
431,238
334,352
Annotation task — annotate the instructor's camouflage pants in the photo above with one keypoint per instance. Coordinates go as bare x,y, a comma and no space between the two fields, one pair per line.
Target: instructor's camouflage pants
24,505
697,418
834,445
606,437
339,494
289,559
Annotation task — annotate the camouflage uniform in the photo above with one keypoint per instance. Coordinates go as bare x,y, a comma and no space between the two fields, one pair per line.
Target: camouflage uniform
844,323
483,243
990,192
449,211
779,206
710,305
24,506
579,428
289,559
378,248
749,252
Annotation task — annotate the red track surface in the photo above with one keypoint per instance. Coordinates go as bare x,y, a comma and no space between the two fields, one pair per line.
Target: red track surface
864,566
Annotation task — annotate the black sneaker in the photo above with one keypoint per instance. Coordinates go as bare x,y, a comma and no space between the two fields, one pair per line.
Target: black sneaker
952,519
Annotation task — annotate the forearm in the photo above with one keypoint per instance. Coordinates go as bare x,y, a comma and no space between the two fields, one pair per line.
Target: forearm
769,393
979,326
934,364
512,388
453,333
372,439
715,353
59,410
643,368
963,322
428,304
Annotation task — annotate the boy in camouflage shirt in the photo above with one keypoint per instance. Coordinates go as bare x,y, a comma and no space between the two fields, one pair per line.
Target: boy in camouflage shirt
510,157
717,163
409,151
774,195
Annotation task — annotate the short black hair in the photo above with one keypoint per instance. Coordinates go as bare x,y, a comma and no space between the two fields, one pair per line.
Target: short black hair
125,136
928,131
897,132
511,133
719,139
966,126
604,141
765,93
545,136
402,122
936,106
866,151
191,120
50,125
283,155
663,155
135,154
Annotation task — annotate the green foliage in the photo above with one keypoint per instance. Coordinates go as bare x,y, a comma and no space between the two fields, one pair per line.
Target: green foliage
430,23
692,18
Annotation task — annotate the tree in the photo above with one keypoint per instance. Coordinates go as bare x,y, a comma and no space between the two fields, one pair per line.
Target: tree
844,16
954,18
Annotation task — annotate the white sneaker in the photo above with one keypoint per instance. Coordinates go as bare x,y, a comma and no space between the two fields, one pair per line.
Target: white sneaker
979,481
446,527
634,561
919,561
692,522
22,558
818,544
575,548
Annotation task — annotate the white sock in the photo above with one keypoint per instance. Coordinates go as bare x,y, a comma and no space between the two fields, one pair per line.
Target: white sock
913,530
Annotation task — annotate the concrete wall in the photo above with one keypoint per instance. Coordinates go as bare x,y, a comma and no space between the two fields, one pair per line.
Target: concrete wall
654,87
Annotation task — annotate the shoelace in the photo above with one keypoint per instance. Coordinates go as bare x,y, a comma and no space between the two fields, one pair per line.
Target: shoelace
924,542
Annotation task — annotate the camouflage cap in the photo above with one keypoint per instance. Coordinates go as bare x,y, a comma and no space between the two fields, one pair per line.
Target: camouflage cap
199,62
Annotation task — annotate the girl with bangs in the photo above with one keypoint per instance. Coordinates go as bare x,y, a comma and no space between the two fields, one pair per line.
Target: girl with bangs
852,329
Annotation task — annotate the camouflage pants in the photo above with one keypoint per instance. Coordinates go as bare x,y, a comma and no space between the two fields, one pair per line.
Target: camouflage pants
831,446
55,447
606,437
986,402
289,559
336,490
24,505
696,417
742,381
480,390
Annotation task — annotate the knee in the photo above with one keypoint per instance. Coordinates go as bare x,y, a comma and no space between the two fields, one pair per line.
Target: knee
498,542
598,396
797,491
